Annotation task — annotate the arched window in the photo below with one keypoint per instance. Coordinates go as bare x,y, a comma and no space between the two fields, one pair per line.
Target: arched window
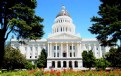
76,64
59,64
70,64
64,64
53,64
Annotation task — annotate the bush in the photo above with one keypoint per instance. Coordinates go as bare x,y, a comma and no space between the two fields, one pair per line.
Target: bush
101,64
28,65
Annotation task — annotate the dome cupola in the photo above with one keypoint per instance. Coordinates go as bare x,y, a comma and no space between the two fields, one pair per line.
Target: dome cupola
63,12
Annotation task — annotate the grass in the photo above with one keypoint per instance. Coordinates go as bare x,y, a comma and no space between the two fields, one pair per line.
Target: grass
64,72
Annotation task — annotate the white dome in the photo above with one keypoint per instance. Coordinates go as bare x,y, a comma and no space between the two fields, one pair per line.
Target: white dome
63,23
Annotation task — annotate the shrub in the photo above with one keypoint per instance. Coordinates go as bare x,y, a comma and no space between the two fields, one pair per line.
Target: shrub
101,64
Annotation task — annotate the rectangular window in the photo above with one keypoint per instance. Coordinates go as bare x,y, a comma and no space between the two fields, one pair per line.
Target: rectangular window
54,47
57,47
70,47
54,54
97,48
58,55
70,54
73,47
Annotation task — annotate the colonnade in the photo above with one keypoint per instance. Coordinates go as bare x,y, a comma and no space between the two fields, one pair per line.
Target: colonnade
64,47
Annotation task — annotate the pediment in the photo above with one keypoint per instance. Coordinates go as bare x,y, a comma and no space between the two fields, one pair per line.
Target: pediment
64,36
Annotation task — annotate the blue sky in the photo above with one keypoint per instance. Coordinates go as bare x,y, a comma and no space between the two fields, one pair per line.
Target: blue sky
80,10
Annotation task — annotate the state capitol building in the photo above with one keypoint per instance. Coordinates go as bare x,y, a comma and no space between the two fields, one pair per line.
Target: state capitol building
64,46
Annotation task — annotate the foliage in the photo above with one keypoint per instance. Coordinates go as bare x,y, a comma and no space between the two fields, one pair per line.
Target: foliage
101,64
114,57
88,59
13,59
42,60
107,26
28,65
18,16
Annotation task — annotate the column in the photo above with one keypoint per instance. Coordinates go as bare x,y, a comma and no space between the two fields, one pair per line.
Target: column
39,49
61,49
73,64
48,50
89,47
79,53
72,50
61,64
56,50
84,47
80,63
100,51
55,64
67,63
67,49
33,52
28,52
95,51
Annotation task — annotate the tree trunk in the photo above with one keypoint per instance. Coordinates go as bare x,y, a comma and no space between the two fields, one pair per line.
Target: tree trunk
2,50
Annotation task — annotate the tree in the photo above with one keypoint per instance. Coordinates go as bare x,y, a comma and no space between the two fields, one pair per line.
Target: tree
101,64
18,16
42,60
107,26
13,59
88,59
114,57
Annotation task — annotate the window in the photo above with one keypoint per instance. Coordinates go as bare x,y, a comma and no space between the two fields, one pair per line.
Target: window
58,55
74,54
70,54
73,47
97,48
57,47
30,56
54,54
70,47
61,29
35,56
54,47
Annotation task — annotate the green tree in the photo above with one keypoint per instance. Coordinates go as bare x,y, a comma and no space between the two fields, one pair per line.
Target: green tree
88,59
114,57
18,16
107,26
42,60
13,59
101,64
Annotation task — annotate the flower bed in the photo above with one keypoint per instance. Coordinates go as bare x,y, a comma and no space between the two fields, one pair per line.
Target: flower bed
64,72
